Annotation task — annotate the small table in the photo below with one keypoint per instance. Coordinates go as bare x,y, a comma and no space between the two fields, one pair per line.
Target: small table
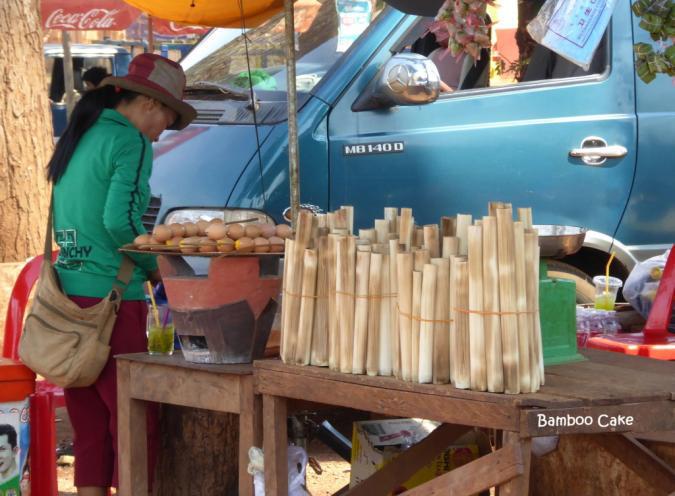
143,378
606,395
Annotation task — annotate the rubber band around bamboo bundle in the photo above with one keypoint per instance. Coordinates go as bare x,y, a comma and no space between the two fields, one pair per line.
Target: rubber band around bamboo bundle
485,312
300,295
367,297
420,319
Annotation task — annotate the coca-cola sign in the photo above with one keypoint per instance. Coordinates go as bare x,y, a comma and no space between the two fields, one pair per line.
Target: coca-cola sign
170,28
82,15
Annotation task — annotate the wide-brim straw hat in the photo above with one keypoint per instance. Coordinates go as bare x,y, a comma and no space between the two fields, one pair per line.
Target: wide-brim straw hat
159,78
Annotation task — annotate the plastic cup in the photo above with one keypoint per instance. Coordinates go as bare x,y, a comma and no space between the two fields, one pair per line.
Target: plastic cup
160,337
605,293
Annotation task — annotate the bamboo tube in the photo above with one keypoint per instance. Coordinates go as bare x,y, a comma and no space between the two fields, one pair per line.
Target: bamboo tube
368,234
374,303
307,303
493,336
406,228
476,323
363,245
385,320
418,237
405,270
427,311
448,226
350,217
525,216
453,317
461,356
421,257
319,355
537,321
450,246
493,206
415,328
341,219
331,220
393,309
524,320
463,223
532,305
285,303
322,221
361,312
391,214
333,323
507,300
441,331
382,230
346,281
431,240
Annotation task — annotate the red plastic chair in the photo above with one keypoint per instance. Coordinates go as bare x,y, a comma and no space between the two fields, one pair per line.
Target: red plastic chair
47,397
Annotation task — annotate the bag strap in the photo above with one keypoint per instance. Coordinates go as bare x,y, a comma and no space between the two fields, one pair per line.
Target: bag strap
48,236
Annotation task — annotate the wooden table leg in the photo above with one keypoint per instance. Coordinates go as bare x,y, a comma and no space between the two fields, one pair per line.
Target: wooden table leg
519,486
275,438
132,437
250,431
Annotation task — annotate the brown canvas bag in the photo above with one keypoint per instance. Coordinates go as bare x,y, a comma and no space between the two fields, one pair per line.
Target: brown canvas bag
62,342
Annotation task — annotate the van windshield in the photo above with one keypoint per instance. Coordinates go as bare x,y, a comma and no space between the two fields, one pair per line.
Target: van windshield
324,31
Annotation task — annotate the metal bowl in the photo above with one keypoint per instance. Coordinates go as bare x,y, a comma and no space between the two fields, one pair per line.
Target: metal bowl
560,241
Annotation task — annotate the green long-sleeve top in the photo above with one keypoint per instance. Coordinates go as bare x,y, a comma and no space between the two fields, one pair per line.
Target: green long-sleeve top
98,204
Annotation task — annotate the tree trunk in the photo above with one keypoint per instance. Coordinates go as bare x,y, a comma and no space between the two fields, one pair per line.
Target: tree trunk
25,131
198,453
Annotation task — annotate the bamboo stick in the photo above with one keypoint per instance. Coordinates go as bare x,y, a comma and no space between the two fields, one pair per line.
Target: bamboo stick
331,220
393,309
406,228
532,305
368,235
493,336
463,223
374,303
450,246
427,311
478,374
448,226
319,355
342,219
418,237
349,214
452,305
537,321
421,257
507,300
382,230
461,356
525,216
333,322
405,270
524,320
415,328
307,301
385,320
361,312
391,214
493,206
346,281
441,345
431,240
285,303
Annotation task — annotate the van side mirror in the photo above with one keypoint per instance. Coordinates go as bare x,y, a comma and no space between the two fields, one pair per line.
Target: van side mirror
406,79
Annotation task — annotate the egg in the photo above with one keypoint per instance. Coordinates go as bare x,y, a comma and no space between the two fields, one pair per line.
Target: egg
190,245
261,245
207,245
284,231
216,221
276,244
201,227
252,231
225,245
267,230
235,231
244,245
175,241
191,229
143,239
177,229
162,233
216,231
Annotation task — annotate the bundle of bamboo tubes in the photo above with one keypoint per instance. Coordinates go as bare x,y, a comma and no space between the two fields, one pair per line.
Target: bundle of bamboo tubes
454,302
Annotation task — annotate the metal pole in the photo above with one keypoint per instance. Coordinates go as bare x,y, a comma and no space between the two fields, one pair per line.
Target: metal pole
68,73
293,151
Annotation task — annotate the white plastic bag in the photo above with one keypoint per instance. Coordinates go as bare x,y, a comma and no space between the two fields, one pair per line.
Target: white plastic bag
572,28
642,283
297,471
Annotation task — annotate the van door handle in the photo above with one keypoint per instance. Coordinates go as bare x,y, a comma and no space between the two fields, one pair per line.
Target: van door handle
595,151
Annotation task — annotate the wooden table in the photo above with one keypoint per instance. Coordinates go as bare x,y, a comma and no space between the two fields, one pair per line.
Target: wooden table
143,378
635,393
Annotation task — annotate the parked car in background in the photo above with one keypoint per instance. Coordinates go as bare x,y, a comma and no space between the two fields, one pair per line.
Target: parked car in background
114,59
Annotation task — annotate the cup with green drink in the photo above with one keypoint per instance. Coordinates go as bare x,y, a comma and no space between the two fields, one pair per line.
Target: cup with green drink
160,330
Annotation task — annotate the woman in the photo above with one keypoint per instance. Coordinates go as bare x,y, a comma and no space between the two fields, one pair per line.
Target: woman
100,171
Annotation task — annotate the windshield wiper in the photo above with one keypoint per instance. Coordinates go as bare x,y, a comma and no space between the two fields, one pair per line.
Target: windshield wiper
208,86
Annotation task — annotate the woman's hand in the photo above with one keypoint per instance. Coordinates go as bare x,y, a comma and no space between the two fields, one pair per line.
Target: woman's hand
445,88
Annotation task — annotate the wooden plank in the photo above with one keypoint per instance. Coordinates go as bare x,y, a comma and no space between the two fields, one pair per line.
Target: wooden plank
405,465
250,432
663,368
218,392
132,435
378,400
628,417
490,470
177,361
275,442
520,485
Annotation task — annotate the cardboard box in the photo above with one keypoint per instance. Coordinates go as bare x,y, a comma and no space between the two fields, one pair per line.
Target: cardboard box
375,443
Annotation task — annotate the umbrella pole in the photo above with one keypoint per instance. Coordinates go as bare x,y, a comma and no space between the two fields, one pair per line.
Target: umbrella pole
293,152
68,73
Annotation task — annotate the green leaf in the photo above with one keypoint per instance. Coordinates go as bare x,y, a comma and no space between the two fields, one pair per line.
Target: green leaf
642,49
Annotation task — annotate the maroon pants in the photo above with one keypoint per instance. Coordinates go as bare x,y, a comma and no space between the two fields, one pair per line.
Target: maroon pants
93,409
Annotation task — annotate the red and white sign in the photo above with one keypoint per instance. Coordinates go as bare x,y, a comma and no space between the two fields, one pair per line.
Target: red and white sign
82,15
170,28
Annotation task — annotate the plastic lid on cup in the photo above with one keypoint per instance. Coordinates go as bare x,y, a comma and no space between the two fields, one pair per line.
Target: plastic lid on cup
614,282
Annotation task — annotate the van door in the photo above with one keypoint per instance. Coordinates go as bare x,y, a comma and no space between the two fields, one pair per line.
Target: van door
509,140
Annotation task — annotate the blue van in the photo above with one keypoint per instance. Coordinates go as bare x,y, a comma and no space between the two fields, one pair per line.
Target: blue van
589,148
112,58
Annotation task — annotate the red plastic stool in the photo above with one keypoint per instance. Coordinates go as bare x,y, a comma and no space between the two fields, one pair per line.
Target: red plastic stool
654,341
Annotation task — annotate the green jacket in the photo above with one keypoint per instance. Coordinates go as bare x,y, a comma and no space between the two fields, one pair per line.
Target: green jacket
98,204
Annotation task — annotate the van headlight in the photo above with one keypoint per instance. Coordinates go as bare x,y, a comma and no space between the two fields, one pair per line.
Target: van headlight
227,214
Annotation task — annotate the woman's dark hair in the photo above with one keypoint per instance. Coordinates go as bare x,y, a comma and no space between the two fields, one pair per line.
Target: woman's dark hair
95,75
85,114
